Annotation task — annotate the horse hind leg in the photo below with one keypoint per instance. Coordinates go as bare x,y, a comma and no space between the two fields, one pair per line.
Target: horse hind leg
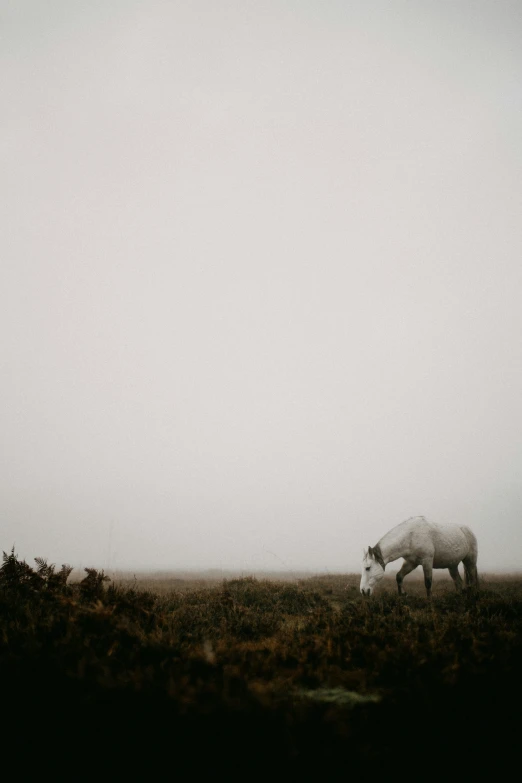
454,573
470,572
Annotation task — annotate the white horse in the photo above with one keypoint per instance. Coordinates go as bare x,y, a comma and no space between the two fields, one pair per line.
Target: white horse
423,543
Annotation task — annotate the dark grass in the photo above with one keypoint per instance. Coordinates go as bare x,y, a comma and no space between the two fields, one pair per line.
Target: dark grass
251,678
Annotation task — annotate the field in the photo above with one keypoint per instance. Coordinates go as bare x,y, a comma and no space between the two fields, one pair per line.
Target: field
296,679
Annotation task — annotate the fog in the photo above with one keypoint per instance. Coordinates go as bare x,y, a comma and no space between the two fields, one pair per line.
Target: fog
261,279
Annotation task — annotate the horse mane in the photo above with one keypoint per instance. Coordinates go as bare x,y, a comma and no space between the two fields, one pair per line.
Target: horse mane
376,550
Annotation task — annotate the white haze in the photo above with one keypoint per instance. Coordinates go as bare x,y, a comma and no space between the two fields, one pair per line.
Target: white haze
261,279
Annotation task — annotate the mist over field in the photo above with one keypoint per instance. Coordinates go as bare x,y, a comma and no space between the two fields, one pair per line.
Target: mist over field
260,281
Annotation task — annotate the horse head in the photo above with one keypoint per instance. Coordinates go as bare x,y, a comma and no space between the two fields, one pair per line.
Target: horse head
372,570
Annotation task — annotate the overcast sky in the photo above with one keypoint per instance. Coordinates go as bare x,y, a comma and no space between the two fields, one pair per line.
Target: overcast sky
261,279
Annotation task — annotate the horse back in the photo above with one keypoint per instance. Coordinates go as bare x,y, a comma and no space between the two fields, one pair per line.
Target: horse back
417,539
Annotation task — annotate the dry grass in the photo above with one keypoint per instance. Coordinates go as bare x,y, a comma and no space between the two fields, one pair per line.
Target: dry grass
298,676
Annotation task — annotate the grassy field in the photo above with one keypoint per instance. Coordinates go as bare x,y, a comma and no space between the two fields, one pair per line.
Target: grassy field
295,679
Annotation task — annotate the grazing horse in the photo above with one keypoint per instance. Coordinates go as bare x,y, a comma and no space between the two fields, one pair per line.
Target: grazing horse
423,543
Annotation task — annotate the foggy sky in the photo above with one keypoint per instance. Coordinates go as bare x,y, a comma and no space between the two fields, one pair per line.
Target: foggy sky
261,279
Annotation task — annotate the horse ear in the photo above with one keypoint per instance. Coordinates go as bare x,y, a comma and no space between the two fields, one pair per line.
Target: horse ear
370,551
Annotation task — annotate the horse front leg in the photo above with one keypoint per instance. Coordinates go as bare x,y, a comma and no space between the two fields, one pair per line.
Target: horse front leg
406,569
427,567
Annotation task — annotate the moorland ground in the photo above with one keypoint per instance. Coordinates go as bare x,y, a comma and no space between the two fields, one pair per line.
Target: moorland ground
248,677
